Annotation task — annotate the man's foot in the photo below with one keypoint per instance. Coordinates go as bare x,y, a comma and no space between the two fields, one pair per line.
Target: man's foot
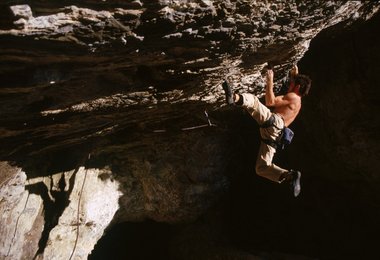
295,182
229,94
294,179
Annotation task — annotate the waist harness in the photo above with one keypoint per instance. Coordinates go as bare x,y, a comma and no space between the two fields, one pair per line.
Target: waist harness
285,137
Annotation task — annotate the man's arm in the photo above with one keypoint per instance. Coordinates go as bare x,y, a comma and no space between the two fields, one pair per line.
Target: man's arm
271,100
269,95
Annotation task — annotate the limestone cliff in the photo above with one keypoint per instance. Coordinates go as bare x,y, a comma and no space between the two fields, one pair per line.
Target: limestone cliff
112,112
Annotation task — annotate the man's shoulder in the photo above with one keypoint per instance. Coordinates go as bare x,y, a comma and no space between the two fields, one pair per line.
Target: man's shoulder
293,96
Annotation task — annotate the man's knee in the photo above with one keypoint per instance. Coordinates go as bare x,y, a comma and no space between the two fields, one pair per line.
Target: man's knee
261,169
249,100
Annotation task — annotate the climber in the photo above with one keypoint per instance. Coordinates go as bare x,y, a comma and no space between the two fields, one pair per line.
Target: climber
273,125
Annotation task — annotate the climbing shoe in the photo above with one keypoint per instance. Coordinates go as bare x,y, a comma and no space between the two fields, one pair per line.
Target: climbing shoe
294,178
229,94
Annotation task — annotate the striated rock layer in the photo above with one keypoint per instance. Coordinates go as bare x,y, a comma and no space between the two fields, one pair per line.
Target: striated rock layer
112,112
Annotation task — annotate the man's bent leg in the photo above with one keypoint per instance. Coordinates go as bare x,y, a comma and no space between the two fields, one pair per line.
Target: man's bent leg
264,166
255,108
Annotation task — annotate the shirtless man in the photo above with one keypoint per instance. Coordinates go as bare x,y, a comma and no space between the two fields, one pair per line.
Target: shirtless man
285,110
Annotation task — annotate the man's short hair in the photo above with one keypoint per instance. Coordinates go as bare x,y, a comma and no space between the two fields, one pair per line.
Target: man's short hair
304,82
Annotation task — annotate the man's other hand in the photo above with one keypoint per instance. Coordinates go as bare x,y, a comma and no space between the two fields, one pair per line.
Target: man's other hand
294,71
270,76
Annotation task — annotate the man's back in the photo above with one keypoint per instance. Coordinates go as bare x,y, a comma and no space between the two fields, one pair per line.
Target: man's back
288,107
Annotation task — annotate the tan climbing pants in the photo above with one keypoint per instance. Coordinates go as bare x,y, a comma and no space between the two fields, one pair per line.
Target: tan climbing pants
264,165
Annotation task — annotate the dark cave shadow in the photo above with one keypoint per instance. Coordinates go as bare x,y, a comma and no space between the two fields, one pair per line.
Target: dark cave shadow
141,240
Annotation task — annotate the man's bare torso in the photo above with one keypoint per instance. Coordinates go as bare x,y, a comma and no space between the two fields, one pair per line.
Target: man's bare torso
290,109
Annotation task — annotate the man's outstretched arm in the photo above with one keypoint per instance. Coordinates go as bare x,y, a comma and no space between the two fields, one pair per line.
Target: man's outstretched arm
269,94
270,99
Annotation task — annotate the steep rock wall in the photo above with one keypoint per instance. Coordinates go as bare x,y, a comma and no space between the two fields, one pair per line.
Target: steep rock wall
127,83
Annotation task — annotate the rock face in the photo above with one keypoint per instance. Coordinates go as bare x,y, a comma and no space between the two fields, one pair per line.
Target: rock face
113,112
21,218
44,213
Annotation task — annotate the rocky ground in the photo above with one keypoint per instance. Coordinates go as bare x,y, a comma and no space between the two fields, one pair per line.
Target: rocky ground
115,135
